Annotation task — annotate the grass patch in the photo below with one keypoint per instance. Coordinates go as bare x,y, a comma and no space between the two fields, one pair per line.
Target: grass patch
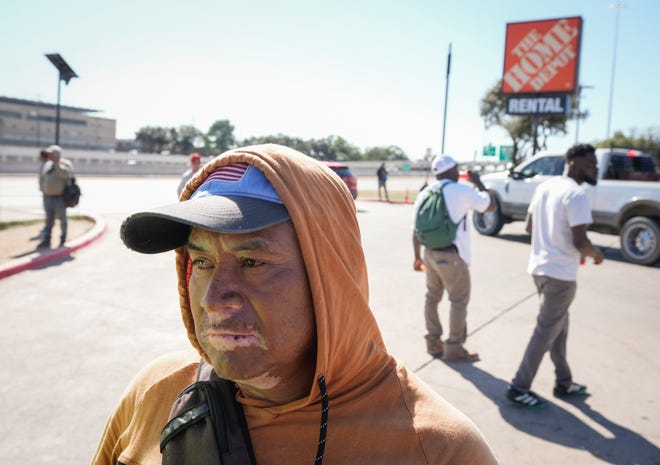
395,195
12,224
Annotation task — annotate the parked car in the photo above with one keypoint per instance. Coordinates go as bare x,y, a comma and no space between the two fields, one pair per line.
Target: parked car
345,173
626,200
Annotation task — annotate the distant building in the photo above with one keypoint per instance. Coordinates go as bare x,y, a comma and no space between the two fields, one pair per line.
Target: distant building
26,122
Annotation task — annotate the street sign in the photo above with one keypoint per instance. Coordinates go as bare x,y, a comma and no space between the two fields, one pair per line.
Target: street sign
506,152
489,150
543,105
542,56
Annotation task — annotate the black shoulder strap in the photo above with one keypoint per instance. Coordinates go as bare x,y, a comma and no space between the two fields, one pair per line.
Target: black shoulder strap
237,424
207,426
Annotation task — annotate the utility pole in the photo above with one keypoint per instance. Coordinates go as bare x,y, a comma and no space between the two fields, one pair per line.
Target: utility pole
618,6
444,118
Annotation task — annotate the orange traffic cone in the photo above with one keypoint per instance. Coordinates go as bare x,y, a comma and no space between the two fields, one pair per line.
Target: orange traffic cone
405,199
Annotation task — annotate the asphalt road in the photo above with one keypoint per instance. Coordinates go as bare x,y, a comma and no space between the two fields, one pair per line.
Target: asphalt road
75,332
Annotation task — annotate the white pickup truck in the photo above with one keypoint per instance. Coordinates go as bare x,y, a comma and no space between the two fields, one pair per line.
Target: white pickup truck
626,200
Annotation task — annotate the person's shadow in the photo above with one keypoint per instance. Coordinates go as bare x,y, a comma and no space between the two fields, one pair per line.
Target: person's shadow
612,253
556,424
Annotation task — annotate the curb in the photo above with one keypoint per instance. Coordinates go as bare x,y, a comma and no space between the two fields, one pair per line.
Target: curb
36,259
396,202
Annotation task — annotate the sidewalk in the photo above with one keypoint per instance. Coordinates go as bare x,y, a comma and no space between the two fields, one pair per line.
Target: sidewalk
18,243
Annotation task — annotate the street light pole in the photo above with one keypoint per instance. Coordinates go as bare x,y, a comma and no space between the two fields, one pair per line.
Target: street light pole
444,118
57,112
65,74
618,6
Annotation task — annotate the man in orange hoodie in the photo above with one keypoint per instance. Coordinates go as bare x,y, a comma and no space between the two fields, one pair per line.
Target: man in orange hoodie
274,297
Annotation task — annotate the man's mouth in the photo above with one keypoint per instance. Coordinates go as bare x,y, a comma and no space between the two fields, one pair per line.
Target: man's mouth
227,340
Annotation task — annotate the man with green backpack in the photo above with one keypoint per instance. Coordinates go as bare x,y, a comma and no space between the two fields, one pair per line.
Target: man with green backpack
442,227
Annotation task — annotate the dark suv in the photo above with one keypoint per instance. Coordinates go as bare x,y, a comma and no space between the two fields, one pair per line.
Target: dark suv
345,173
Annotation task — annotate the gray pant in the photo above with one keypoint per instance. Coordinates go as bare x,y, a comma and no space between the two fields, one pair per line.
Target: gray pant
550,333
446,271
55,208
383,185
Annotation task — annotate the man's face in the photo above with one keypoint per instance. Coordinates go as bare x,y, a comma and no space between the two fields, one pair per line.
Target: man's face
253,310
588,169
195,164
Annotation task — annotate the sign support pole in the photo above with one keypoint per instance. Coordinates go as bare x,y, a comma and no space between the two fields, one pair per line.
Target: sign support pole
535,125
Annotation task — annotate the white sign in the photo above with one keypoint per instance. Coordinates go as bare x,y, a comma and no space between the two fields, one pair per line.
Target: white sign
557,105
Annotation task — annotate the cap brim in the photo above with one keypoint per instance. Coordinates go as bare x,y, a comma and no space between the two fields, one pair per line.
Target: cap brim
166,228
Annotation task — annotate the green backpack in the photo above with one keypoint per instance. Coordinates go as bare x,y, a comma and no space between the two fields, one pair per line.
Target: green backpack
434,227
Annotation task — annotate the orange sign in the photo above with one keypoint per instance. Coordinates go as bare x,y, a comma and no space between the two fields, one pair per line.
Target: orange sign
542,56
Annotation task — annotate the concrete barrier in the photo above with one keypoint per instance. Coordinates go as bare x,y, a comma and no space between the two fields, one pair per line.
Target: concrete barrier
21,159
15,159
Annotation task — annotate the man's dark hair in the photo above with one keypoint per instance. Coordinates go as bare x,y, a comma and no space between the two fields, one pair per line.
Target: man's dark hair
579,151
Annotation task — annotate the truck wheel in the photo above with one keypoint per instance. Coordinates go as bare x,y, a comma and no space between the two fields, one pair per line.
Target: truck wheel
488,223
640,240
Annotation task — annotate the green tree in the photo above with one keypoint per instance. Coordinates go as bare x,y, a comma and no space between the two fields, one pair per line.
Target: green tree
329,148
390,153
321,149
647,140
153,139
186,139
220,136
293,142
492,109
343,150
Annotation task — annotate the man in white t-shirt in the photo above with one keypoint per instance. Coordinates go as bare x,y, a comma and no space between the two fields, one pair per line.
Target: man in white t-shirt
557,219
447,268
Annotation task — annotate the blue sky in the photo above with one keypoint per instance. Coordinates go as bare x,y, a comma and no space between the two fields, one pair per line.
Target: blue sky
371,71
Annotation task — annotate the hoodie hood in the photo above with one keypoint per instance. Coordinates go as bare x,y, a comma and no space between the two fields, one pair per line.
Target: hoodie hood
351,355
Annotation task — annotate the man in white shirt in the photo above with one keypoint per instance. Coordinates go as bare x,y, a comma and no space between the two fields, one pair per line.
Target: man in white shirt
557,219
448,268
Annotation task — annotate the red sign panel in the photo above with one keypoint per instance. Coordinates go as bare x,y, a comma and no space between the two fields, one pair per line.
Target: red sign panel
542,56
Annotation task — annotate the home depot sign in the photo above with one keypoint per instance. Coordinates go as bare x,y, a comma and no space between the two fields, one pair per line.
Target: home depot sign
542,56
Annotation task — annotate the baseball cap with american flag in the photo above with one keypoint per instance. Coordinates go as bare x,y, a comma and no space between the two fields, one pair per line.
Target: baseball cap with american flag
235,198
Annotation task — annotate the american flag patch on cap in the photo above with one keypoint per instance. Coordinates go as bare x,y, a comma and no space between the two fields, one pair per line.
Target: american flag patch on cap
237,179
228,173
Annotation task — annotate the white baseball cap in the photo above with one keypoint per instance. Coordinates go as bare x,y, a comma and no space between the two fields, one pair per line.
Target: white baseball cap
442,163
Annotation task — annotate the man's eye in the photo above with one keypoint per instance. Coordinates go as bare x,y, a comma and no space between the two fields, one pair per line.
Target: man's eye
200,263
251,262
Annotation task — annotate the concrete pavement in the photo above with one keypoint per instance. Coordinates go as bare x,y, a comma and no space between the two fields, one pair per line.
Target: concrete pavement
42,257
76,330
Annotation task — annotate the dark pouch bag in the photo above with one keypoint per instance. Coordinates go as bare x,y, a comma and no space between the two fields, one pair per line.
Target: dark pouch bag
71,192
206,425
